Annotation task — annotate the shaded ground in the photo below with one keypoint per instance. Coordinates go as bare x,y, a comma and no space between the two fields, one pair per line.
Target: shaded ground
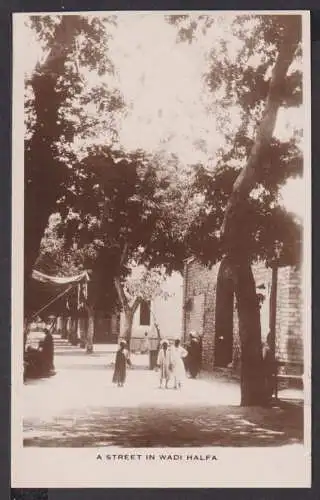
169,427
79,407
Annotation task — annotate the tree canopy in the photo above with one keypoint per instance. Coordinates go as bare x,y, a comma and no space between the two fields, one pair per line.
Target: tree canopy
61,109
239,80
118,206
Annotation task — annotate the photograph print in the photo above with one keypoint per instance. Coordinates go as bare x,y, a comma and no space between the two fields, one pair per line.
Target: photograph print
161,236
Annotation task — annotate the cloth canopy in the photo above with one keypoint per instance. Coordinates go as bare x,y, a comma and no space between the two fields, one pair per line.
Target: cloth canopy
49,293
60,281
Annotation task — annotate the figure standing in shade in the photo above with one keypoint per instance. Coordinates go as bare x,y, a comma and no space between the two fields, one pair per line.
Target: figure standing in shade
164,363
194,355
120,369
178,370
47,346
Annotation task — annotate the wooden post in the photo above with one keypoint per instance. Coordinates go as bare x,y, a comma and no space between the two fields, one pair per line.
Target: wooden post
273,308
184,312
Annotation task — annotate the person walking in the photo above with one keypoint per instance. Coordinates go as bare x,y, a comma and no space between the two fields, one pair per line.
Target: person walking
178,370
164,363
120,369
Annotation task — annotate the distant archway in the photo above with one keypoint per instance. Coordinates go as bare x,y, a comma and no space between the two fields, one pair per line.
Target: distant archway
223,352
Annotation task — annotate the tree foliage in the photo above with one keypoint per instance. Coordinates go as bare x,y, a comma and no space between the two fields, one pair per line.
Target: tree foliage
239,75
57,93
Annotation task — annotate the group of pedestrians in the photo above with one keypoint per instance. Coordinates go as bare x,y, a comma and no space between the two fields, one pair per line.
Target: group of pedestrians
173,361
170,363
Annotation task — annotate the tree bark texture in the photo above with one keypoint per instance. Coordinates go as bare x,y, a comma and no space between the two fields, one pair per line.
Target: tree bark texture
237,278
252,373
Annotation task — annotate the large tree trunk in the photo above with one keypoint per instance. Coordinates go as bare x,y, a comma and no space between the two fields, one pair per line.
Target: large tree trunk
252,372
235,277
236,242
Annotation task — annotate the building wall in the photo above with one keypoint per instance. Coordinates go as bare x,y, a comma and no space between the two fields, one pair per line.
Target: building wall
289,328
199,306
199,312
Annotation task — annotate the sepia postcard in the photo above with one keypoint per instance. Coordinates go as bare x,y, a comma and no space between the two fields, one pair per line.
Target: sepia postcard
161,251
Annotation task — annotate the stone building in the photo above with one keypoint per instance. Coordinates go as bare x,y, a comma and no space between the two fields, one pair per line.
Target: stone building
222,350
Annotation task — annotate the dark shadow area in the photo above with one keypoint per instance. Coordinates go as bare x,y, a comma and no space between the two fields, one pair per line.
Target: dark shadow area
171,427
34,379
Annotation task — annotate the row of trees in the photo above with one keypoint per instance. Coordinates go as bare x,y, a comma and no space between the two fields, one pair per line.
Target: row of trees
122,210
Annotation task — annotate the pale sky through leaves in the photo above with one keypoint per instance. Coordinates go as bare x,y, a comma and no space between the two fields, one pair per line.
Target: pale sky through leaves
162,84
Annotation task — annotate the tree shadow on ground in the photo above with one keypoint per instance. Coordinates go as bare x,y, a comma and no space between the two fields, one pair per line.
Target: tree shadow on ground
170,427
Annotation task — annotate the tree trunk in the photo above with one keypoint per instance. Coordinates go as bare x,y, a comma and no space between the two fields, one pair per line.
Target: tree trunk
252,374
236,243
158,334
68,328
82,331
90,331
128,317
64,333
128,310
74,332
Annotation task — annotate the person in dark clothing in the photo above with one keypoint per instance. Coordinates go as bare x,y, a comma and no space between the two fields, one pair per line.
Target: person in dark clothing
120,369
194,355
47,348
